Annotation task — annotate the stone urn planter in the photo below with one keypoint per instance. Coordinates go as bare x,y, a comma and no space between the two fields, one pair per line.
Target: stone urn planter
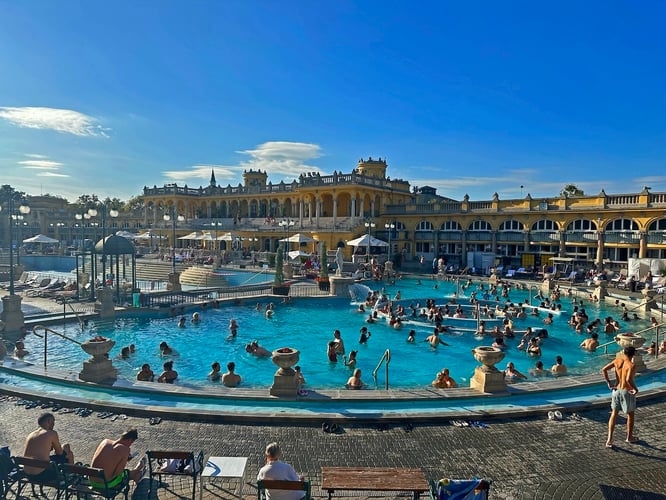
629,340
285,358
488,356
487,378
285,383
99,368
98,348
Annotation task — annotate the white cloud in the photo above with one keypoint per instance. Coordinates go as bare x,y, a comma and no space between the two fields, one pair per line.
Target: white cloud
34,155
42,164
60,120
281,158
51,174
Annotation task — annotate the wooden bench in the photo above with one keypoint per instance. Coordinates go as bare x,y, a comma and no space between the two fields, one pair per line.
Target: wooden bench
373,479
80,478
191,465
274,484
51,477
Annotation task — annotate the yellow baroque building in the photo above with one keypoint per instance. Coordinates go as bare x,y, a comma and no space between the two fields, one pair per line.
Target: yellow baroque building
597,230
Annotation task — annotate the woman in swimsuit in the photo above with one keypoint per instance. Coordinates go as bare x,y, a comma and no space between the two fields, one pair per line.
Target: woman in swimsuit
354,381
169,375
512,375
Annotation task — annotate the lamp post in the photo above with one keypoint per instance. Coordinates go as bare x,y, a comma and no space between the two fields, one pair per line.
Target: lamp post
23,210
113,213
369,225
173,218
286,224
17,219
390,228
12,315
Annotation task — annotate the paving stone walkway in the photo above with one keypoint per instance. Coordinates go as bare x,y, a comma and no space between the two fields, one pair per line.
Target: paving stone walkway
527,458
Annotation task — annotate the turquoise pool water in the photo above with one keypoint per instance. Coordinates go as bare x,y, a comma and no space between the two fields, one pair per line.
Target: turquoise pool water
308,324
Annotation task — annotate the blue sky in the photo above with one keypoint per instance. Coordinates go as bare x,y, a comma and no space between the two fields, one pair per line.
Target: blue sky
468,97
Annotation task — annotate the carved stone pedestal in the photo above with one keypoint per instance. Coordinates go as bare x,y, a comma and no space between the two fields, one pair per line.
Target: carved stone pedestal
340,285
488,379
99,368
285,382
106,306
174,282
12,317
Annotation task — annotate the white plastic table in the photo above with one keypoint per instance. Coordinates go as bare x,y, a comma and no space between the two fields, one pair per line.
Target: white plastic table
224,467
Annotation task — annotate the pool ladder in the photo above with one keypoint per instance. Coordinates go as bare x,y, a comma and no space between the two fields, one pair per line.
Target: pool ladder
46,331
385,359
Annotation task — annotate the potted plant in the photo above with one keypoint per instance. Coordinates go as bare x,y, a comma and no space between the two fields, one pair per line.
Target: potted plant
279,287
322,280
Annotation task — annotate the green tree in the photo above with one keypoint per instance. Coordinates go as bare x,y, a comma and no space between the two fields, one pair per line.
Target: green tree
279,261
571,191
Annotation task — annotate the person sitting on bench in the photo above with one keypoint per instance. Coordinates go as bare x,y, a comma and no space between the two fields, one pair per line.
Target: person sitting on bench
40,442
112,457
275,469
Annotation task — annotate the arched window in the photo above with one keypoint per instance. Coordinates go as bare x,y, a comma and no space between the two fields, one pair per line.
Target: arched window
544,225
399,226
450,225
622,225
658,225
479,225
424,225
511,225
582,225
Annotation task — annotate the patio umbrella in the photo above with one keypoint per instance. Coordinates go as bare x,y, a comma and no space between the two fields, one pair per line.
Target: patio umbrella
194,235
149,235
127,235
227,237
367,240
295,254
40,238
299,238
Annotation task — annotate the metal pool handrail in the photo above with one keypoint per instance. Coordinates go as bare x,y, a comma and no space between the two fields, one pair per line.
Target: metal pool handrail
385,357
46,330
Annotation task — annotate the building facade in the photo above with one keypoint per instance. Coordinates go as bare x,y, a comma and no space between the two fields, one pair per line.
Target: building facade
593,230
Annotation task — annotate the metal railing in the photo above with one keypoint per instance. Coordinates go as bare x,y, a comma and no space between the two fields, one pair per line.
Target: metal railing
385,359
48,330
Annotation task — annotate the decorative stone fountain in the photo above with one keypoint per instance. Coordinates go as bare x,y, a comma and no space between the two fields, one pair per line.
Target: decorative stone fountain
99,368
285,382
486,377
631,340
105,304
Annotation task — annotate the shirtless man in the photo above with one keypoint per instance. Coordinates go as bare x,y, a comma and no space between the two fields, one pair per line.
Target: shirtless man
624,392
591,343
231,379
112,456
434,339
40,442
558,368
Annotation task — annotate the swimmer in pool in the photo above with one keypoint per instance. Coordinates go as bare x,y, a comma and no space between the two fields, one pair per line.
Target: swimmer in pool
256,350
233,328
351,362
181,322
412,336
196,318
434,340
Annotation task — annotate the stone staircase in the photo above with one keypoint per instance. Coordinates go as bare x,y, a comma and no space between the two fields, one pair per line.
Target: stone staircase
158,270
202,277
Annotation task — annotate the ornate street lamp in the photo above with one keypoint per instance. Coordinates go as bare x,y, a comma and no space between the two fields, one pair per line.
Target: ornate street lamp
390,228
113,213
23,210
369,225
173,218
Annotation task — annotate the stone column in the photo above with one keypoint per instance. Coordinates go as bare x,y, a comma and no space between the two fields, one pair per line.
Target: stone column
174,282
340,286
600,291
12,316
105,300
648,299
